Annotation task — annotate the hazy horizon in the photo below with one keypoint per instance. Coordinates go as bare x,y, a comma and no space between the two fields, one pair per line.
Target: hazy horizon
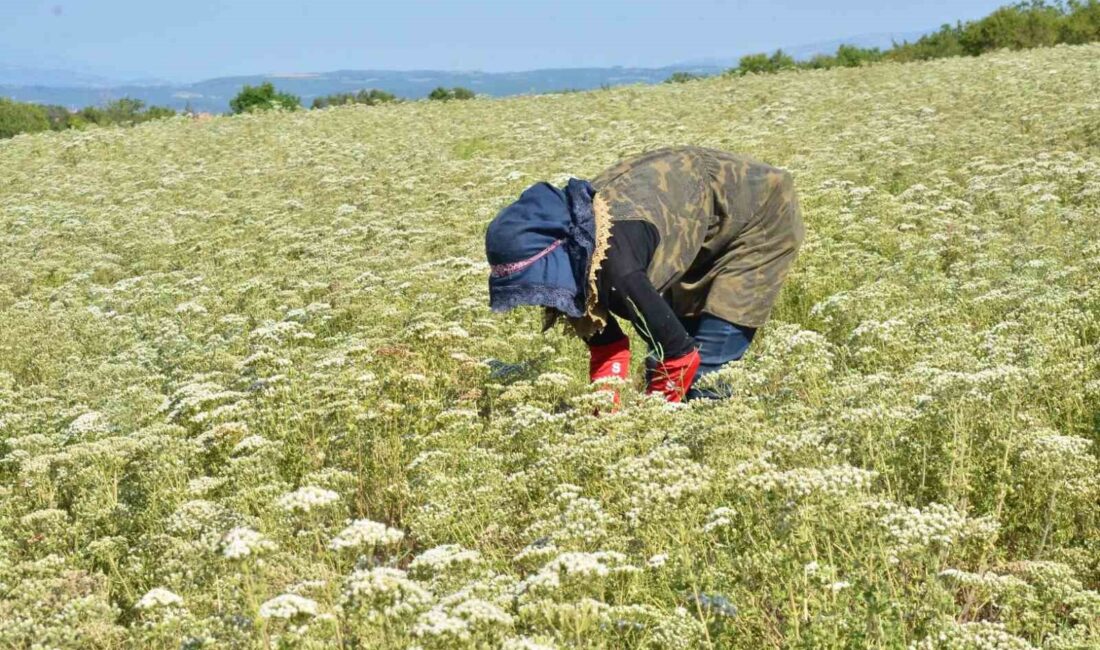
126,40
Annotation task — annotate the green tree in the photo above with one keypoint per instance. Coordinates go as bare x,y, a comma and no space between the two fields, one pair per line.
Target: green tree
157,113
762,63
17,117
1082,25
125,111
445,94
440,94
752,63
851,56
780,60
681,77
366,97
59,116
821,62
261,98
1020,26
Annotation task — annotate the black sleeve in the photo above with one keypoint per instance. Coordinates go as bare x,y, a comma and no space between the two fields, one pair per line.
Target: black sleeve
629,293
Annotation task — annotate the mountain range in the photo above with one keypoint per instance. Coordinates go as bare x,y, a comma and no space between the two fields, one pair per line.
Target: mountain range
77,89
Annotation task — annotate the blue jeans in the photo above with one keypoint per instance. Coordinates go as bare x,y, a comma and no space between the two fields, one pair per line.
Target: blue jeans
720,342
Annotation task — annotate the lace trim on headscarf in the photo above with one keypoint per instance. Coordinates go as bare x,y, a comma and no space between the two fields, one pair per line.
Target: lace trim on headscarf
590,237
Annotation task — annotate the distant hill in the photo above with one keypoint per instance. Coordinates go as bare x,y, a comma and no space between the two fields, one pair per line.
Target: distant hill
76,90
58,75
214,94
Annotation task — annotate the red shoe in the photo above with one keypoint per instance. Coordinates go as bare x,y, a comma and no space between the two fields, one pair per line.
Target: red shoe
673,377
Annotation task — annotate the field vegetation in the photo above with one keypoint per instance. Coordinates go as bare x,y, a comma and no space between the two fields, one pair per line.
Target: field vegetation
251,394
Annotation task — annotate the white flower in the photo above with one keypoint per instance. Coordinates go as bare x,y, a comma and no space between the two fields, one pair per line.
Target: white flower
481,613
574,567
441,558
158,597
364,532
288,606
90,422
523,643
307,498
383,593
202,485
242,542
190,307
250,443
658,560
437,623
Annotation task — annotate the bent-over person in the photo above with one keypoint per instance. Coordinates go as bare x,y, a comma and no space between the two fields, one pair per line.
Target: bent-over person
690,245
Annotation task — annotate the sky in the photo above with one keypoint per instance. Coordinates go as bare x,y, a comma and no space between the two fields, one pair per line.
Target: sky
190,40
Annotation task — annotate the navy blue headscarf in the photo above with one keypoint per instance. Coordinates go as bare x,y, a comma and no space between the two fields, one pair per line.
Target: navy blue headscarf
539,248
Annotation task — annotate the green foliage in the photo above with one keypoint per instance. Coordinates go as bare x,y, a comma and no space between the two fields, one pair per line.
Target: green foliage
366,97
262,98
458,92
762,63
17,117
59,117
851,56
1019,26
940,44
447,94
1025,25
120,112
1082,25
682,77
848,56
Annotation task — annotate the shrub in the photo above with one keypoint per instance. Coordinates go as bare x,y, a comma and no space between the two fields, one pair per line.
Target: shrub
851,56
458,92
367,97
59,116
821,62
17,117
1018,27
261,98
762,63
682,77
444,94
942,43
120,112
1082,25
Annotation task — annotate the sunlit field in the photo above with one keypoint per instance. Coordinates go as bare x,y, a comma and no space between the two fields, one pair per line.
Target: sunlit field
251,394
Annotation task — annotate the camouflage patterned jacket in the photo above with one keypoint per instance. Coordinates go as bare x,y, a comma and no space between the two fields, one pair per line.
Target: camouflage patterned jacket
729,227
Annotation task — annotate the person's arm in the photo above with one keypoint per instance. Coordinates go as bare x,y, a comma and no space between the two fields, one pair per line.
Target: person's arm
630,293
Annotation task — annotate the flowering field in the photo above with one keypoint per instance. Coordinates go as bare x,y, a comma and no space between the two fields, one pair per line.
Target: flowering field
251,394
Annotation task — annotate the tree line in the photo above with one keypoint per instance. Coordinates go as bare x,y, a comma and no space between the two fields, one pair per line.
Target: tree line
266,96
22,117
1024,25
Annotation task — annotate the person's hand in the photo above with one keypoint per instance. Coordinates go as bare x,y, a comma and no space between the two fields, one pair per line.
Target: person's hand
673,377
609,360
